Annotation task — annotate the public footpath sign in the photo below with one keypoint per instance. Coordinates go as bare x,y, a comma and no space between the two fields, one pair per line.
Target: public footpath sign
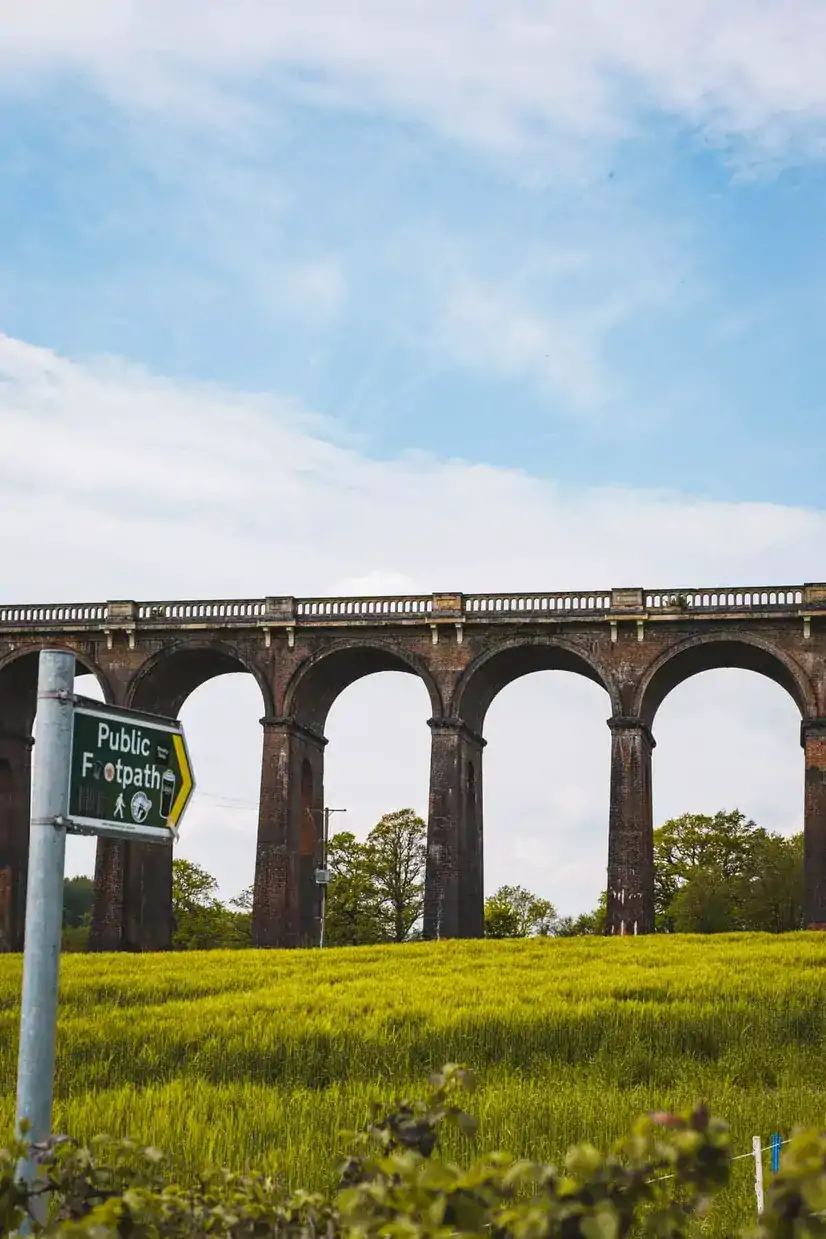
130,774
98,770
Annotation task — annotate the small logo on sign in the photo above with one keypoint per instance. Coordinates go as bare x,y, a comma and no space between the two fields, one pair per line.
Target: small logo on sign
108,772
140,806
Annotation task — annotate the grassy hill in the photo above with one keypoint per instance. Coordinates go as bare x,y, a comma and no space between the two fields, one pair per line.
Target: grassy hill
261,1058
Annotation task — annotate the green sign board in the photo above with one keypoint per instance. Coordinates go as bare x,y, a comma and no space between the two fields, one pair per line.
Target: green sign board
130,774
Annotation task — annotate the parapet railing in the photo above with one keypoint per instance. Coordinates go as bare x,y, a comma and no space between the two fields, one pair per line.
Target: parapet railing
728,599
69,613
462,608
537,604
361,608
244,608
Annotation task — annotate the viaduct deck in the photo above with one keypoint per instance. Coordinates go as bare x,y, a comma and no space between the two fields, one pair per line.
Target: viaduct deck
637,644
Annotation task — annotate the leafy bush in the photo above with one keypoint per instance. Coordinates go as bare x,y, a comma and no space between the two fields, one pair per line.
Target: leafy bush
657,1183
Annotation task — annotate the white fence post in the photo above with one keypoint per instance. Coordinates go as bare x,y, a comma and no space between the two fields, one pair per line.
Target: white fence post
758,1172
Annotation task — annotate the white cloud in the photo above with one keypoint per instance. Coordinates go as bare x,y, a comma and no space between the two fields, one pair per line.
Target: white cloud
479,327
501,74
104,468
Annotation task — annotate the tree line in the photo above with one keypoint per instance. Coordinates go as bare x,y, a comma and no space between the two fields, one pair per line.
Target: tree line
712,874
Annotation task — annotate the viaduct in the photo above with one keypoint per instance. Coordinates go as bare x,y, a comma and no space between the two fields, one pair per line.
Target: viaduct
637,644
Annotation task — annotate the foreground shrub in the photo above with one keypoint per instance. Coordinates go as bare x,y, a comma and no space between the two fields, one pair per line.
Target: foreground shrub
658,1183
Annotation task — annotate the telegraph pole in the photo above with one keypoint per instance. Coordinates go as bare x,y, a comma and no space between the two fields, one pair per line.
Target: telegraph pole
324,880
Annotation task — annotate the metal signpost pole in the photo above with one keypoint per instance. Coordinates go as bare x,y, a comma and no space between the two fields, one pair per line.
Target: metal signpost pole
44,907
98,770
324,884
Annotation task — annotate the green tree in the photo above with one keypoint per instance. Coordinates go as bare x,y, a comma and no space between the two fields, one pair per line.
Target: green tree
242,917
513,912
200,920
723,872
376,889
396,851
243,901
705,904
192,887
585,923
353,915
723,844
78,894
770,896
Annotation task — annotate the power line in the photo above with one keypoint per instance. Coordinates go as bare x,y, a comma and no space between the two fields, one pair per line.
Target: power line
232,802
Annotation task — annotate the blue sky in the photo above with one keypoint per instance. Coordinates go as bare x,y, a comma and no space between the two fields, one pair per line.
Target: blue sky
578,248
359,261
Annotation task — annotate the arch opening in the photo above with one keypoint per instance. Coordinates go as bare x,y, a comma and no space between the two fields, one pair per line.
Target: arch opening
134,893
715,653
320,681
727,739
18,684
221,718
377,759
493,672
173,675
547,775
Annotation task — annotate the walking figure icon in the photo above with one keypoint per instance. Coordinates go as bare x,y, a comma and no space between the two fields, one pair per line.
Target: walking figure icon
119,805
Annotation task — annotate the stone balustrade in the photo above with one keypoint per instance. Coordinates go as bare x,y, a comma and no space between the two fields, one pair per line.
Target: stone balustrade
758,599
420,608
308,609
535,604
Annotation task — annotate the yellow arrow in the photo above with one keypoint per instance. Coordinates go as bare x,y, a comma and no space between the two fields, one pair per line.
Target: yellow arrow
185,789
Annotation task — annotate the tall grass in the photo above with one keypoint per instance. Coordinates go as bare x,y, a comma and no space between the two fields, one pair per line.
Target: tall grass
261,1058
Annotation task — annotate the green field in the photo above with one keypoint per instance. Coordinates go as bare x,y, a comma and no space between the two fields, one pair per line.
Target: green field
261,1058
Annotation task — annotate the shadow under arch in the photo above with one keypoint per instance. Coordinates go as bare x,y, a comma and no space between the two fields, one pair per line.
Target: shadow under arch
18,673
712,651
320,679
165,680
513,658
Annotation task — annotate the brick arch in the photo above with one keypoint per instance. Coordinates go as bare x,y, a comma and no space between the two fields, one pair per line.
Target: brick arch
511,659
713,650
21,666
169,676
133,881
319,680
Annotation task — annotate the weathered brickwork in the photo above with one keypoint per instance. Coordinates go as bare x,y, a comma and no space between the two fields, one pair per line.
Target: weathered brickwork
637,645
813,738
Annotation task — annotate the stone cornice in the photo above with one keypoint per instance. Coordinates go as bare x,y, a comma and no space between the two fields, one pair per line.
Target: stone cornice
626,722
459,726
